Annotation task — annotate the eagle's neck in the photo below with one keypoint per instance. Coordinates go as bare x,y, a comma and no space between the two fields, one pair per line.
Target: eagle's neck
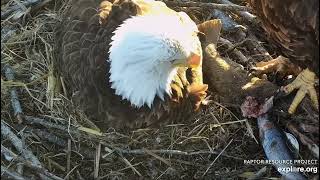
140,84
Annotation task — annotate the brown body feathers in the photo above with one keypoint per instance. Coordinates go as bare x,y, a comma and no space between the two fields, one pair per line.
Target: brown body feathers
294,26
82,43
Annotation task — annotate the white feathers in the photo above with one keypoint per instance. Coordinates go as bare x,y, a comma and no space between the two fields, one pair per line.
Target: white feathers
141,55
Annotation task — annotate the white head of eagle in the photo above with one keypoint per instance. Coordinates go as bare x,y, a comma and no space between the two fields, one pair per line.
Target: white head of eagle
145,53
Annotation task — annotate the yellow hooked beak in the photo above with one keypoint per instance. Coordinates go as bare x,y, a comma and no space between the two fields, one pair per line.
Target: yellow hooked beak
193,61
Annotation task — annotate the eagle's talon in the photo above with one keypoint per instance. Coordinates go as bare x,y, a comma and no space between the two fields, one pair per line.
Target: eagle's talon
281,65
198,93
305,82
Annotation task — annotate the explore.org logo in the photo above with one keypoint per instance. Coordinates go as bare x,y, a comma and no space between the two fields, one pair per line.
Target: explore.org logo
298,169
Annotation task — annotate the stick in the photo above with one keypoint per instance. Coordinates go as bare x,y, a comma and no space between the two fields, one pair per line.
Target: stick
244,14
216,158
260,174
17,110
97,161
5,172
252,42
50,137
130,165
228,7
171,152
68,154
255,46
228,24
90,154
28,155
77,131
241,57
7,153
4,2
312,146
6,33
17,7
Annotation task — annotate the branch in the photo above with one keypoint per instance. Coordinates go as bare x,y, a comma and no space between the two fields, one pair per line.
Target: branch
312,146
229,7
17,110
254,45
5,172
42,171
6,32
228,24
171,152
18,7
50,137
77,131
27,154
244,14
231,47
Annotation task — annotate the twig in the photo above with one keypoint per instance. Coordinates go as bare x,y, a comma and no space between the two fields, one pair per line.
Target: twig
209,5
79,175
157,157
23,140
216,158
225,123
17,7
262,172
217,121
28,155
7,153
74,168
312,146
3,2
42,171
17,110
97,161
254,45
228,24
130,165
75,131
5,172
244,14
34,120
231,47
104,139
68,154
6,33
309,128
250,131
50,137
235,45
252,42
171,152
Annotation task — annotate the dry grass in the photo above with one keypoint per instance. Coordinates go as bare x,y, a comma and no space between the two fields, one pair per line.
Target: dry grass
211,146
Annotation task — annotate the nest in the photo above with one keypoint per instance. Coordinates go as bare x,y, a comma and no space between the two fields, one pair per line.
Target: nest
45,136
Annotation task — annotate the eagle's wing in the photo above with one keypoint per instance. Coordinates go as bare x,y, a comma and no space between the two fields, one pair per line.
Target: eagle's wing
82,45
294,26
82,42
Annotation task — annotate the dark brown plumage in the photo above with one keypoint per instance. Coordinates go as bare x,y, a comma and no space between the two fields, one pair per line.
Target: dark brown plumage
293,25
82,43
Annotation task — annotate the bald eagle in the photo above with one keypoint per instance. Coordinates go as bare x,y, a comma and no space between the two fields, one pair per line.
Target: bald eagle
128,62
294,26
